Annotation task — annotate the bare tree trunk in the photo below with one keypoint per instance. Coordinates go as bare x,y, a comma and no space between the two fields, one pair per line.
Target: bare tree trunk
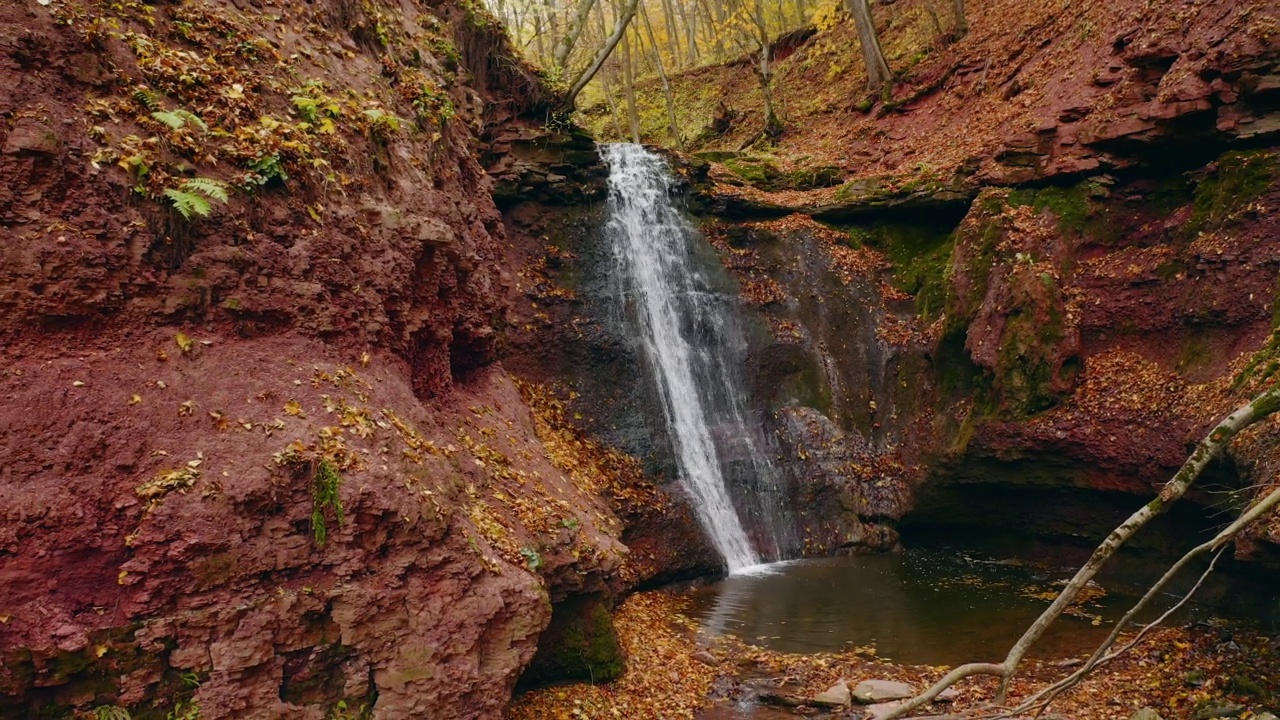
878,75
772,127
713,24
1209,448
605,76
673,33
627,12
962,23
577,22
537,35
629,89
932,12
613,106
666,86
690,22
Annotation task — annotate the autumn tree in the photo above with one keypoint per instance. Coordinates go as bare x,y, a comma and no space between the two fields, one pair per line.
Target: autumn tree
627,11
961,22
879,78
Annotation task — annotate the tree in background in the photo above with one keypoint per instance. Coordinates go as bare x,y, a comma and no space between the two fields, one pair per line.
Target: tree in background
962,23
879,79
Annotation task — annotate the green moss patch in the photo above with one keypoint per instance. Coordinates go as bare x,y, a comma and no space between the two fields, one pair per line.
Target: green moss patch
579,644
764,174
1230,187
920,253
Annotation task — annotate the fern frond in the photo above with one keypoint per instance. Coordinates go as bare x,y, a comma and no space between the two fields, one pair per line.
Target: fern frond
111,712
192,118
210,188
146,99
188,204
171,119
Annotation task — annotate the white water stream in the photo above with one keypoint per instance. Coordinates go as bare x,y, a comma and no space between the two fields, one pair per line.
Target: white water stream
692,345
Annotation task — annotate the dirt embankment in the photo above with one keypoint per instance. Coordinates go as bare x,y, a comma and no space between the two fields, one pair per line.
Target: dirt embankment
258,457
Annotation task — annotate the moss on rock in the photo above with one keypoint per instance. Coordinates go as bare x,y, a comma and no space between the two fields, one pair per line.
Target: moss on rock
579,644
1230,187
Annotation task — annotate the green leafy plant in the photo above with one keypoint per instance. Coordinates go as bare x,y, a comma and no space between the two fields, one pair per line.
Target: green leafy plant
184,710
265,169
382,124
325,497
178,119
191,197
146,98
341,711
111,712
531,557
433,105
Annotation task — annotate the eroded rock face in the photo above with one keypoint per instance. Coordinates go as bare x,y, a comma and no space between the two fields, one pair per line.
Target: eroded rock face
186,542
1005,296
262,462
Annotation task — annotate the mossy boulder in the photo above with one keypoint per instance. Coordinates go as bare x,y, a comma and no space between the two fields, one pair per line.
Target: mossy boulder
579,644
1005,298
764,174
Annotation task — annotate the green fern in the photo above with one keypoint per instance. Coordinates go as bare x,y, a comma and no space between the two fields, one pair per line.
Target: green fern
178,119
210,188
111,712
187,204
146,99
191,198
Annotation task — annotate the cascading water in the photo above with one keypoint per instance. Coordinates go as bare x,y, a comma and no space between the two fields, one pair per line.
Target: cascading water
694,346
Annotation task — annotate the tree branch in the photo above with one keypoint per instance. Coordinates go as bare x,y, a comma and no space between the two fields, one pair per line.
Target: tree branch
1209,448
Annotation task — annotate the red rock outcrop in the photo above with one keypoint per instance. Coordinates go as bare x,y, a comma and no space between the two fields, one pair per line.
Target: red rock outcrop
260,462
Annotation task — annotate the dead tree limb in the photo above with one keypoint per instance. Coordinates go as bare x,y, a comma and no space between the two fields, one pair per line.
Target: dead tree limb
1101,655
1209,448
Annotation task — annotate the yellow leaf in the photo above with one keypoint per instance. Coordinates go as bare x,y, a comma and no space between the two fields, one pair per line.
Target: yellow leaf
293,407
100,650
135,399
184,342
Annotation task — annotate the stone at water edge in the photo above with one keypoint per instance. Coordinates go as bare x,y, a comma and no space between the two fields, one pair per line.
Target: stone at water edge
1224,710
1146,713
705,658
879,710
868,692
948,695
836,696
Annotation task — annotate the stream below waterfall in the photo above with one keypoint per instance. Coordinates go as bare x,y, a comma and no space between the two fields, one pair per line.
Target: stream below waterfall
920,606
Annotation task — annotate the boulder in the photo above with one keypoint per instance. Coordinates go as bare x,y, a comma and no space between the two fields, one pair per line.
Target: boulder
1146,713
869,692
880,710
835,696
1219,710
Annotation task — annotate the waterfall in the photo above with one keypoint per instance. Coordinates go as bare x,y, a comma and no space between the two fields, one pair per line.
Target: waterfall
693,344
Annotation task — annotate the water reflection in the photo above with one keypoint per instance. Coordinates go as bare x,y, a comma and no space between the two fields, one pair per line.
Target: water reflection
920,606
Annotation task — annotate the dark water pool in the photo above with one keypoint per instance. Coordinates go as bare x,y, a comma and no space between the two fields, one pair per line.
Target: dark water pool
920,607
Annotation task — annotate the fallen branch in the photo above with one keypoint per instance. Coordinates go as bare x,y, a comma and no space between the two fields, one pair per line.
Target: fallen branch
1209,448
1101,656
